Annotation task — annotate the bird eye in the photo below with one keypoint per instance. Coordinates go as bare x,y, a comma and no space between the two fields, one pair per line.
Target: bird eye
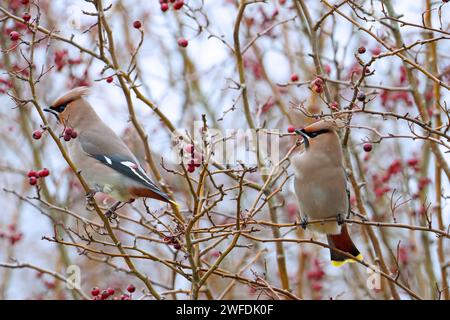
316,133
60,108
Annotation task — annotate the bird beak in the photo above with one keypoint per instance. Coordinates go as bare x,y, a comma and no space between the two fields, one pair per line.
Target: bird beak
304,135
52,112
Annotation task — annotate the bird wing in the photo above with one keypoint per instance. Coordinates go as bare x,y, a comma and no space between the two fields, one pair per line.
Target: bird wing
347,190
124,163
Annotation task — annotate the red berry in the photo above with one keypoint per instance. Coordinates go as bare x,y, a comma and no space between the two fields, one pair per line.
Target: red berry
367,147
14,36
281,2
32,180
177,246
195,163
178,5
164,7
32,173
131,288
361,50
317,85
24,2
182,42
15,238
413,162
68,131
74,134
291,129
37,134
125,297
44,173
190,168
26,16
376,51
318,89
294,77
316,286
317,81
66,137
137,24
334,105
315,274
95,291
111,291
104,295
109,79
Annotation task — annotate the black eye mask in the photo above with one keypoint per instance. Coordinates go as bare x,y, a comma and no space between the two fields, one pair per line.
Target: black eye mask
56,110
60,108
310,135
316,133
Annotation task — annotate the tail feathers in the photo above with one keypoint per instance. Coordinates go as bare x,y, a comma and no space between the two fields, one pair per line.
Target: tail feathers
149,193
344,243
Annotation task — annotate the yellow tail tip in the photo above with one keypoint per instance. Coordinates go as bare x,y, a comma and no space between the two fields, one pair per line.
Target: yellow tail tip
341,263
174,203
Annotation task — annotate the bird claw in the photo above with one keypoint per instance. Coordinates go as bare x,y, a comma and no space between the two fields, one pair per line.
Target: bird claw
340,219
90,200
304,222
111,214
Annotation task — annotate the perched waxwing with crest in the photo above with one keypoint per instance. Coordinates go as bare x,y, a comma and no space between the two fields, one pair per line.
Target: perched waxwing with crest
102,157
321,186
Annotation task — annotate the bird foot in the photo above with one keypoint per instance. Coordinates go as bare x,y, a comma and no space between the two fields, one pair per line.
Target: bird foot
340,219
304,222
90,199
111,212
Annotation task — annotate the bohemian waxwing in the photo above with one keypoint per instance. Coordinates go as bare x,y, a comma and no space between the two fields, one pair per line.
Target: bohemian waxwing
104,160
321,187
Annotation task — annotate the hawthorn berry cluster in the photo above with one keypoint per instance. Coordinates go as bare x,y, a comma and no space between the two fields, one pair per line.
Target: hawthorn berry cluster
317,85
69,133
34,175
12,234
98,294
182,42
62,59
176,4
172,240
315,276
194,162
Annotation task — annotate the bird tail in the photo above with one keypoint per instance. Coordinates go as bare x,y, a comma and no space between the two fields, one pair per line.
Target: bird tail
153,193
344,243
